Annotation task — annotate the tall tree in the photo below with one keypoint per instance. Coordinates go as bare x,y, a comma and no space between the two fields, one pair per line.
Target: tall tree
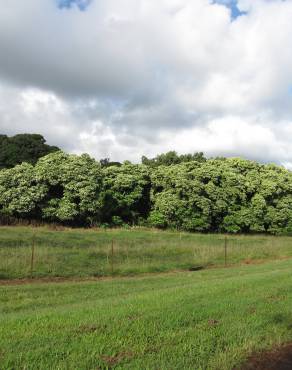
74,185
23,148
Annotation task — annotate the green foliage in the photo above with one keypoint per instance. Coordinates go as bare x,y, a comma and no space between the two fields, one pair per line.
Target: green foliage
169,158
125,192
23,148
117,221
20,193
106,162
74,187
157,219
231,195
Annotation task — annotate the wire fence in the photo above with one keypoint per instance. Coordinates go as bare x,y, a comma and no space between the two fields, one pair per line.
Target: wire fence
34,258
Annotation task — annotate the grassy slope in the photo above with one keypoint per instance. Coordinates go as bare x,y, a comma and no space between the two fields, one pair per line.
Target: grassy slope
88,252
203,320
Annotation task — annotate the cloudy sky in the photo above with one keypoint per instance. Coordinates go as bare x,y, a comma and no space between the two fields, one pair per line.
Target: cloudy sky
123,78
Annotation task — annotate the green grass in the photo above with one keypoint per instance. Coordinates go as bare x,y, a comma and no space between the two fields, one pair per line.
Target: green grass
84,253
210,319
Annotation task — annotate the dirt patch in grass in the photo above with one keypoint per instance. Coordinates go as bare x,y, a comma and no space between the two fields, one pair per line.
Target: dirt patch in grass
213,322
88,328
111,361
279,358
46,280
56,279
197,268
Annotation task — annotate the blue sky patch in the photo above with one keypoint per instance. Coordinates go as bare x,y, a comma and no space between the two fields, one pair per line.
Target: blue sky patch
81,4
232,5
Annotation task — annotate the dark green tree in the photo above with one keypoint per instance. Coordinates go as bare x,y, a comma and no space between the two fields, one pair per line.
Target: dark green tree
126,193
23,148
106,162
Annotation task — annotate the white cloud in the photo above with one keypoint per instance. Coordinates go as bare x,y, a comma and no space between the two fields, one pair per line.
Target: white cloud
132,77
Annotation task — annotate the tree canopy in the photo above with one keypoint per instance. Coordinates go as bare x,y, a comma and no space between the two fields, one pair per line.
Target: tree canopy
23,148
207,195
172,157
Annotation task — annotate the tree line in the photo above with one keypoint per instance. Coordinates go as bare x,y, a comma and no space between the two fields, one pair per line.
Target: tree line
23,148
189,193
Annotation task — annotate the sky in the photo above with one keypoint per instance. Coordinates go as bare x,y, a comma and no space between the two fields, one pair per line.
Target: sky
126,78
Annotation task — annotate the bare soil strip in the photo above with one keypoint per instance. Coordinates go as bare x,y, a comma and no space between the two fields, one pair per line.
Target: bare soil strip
55,279
279,358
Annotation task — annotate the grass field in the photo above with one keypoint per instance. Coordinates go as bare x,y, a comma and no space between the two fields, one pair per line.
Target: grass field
85,253
209,319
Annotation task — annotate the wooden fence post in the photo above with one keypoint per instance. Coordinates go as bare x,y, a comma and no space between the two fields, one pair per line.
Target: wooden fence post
112,258
32,256
225,250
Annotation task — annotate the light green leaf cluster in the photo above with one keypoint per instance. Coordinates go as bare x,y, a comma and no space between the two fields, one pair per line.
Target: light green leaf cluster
231,195
74,186
234,195
20,192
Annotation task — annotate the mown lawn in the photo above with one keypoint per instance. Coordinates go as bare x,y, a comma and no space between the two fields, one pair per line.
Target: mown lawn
99,252
209,319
